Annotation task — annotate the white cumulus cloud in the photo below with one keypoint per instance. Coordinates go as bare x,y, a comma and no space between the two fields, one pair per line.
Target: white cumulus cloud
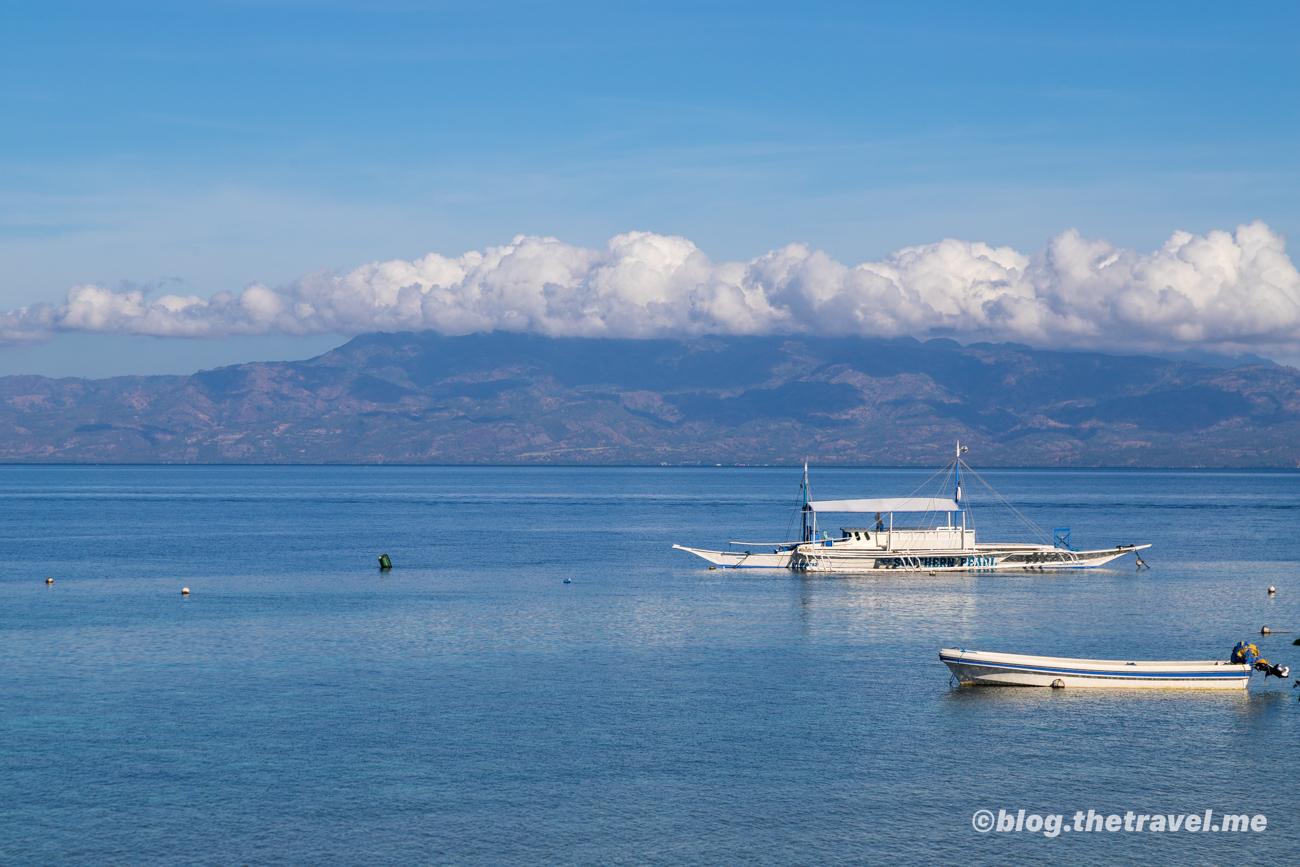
1223,292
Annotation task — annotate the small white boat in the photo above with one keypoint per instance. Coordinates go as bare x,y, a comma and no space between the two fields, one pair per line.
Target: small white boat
933,534
980,668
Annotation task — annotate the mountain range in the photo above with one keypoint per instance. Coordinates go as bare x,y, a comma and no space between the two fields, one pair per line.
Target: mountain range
522,399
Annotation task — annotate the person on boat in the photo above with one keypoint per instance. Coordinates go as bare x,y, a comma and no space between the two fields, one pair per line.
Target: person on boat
880,525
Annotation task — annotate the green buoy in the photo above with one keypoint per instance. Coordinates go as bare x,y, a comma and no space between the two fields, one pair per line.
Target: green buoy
384,562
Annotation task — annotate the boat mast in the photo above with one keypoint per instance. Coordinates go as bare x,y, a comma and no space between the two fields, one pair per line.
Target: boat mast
806,510
960,508
958,465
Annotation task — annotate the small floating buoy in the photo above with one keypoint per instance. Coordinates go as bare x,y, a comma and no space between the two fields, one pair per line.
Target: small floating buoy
1058,684
384,562
49,580
1271,590
711,568
185,591
1265,631
934,573
566,581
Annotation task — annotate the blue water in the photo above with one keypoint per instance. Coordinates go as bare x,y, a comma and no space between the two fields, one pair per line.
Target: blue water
300,707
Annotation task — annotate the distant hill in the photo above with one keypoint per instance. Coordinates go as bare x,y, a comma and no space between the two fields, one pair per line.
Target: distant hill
517,398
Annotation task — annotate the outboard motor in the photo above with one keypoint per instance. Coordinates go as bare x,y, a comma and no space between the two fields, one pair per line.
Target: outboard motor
1246,653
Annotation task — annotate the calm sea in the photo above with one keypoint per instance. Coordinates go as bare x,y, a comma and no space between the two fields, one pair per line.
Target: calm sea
469,707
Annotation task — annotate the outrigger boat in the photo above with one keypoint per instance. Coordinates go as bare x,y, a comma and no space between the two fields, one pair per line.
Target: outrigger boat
978,668
939,540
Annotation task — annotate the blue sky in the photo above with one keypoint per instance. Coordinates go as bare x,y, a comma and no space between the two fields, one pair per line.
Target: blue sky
197,148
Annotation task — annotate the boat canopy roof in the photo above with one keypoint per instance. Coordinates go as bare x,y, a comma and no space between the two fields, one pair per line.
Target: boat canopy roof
896,504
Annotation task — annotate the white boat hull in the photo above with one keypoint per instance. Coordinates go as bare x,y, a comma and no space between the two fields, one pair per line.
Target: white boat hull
741,559
836,556
1013,669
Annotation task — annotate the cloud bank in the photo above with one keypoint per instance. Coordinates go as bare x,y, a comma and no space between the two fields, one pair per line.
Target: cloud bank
1221,292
